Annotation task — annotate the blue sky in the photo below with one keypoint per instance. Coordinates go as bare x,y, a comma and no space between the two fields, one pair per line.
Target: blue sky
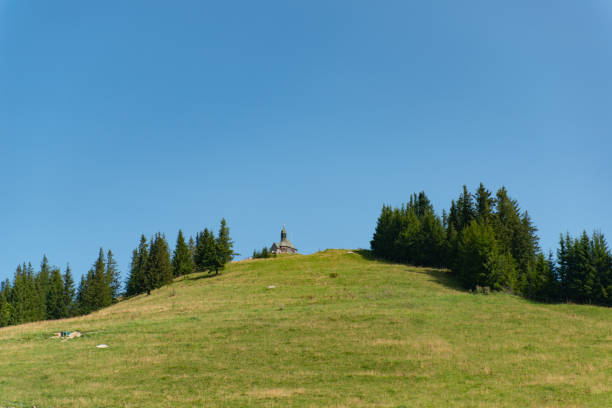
120,118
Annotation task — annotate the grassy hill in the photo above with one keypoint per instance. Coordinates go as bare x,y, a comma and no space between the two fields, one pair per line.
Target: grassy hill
337,330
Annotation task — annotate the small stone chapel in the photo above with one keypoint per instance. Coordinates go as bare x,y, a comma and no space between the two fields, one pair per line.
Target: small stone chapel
284,246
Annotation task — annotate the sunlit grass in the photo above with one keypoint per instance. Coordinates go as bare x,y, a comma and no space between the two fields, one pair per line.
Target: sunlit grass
376,334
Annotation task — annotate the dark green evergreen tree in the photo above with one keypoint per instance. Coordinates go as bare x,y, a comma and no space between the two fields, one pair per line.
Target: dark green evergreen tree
225,245
210,257
6,308
69,293
484,204
56,306
201,251
101,288
85,296
112,276
41,282
478,258
136,282
465,209
182,261
382,243
158,270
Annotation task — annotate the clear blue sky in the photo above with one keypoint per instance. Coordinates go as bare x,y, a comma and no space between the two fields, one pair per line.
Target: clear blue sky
125,117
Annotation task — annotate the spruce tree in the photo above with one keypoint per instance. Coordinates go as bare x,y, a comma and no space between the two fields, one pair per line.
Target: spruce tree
201,251
6,308
182,262
85,298
382,241
191,245
208,252
602,262
56,307
225,245
42,281
112,276
140,256
465,208
36,303
158,270
484,203
69,292
101,289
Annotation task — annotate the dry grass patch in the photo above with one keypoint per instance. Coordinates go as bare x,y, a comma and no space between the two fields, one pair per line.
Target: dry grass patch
275,392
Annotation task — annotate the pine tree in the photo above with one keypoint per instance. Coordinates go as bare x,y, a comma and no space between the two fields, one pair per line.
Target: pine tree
101,288
140,256
18,295
210,256
479,260
465,209
484,203
382,241
225,245
200,253
69,293
182,262
36,301
42,282
6,308
602,261
582,284
112,276
85,298
158,270
56,307
192,247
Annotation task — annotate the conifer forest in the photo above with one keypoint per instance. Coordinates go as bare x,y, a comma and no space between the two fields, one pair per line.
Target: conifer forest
50,294
489,243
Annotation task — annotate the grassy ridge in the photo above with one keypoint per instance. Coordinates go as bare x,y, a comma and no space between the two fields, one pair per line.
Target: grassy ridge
378,334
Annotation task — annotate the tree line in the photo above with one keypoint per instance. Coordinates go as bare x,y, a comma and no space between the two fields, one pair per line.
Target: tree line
50,294
264,253
487,241
153,266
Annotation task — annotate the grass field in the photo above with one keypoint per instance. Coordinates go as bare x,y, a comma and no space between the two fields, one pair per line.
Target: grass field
337,330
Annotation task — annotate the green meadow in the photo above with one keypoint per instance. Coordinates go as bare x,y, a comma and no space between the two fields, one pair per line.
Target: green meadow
333,329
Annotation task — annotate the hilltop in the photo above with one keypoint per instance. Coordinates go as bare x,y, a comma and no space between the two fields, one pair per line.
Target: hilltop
331,329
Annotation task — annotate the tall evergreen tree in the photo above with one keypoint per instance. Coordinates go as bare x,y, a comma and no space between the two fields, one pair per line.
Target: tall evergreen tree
182,261
211,260
140,256
484,203
112,276
158,271
56,306
602,262
42,282
102,290
465,208
225,245
6,308
383,241
201,251
191,245
85,296
69,293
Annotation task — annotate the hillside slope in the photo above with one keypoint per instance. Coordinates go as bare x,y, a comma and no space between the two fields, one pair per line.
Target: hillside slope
337,330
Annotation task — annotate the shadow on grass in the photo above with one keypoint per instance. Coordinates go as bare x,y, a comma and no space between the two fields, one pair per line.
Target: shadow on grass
201,276
439,275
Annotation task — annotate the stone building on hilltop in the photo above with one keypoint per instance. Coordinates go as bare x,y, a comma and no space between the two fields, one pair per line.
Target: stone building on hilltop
284,246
